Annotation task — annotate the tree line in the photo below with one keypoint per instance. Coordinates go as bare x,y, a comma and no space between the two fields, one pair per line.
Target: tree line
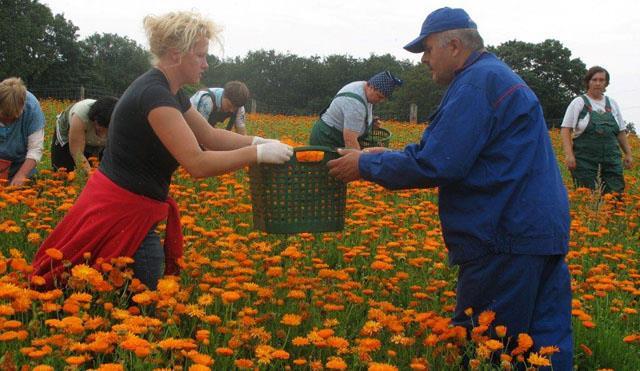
44,50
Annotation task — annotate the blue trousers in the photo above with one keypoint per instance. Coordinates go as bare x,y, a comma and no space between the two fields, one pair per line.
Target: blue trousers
148,265
529,294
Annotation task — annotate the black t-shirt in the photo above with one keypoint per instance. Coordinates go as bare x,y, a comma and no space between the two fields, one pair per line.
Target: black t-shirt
134,158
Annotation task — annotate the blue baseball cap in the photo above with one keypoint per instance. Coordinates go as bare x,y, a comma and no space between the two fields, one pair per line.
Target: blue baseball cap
440,20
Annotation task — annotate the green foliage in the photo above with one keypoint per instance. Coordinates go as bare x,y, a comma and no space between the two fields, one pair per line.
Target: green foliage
549,70
43,50
113,61
35,45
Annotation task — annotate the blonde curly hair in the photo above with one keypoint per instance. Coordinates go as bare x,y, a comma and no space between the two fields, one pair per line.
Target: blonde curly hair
13,94
180,30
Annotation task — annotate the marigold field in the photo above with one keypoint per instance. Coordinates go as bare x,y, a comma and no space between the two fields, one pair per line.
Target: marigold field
376,296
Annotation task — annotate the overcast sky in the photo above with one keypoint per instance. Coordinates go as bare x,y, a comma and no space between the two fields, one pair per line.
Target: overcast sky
605,33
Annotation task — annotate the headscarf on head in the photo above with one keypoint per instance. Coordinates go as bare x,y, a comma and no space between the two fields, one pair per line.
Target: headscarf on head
385,82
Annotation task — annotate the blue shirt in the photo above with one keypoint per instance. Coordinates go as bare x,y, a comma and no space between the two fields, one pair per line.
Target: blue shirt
14,136
489,152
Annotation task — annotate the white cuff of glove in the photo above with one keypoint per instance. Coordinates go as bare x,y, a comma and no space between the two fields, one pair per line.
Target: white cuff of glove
273,153
260,140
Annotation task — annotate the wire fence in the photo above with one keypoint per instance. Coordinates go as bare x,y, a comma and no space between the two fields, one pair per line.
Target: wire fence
71,92
255,105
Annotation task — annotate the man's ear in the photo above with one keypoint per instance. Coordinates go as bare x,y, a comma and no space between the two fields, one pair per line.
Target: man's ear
456,47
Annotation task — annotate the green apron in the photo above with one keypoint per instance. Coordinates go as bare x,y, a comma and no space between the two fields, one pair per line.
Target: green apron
325,135
597,152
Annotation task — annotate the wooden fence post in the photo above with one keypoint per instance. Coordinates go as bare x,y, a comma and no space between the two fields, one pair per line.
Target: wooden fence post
81,92
413,113
253,106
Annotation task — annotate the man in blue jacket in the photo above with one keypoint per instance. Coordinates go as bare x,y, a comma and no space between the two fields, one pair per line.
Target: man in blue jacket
503,205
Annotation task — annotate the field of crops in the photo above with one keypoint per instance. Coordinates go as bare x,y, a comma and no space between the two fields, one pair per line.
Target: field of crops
376,296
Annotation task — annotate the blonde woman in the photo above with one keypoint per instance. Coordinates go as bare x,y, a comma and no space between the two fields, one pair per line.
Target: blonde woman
153,130
21,132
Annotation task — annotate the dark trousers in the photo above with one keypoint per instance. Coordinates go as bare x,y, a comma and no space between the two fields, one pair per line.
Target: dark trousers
529,293
148,265
61,155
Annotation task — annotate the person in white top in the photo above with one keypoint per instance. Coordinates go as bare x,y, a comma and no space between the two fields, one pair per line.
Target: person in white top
219,104
81,132
593,132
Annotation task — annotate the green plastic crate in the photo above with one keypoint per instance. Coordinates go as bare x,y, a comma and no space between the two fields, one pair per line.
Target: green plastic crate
378,137
297,196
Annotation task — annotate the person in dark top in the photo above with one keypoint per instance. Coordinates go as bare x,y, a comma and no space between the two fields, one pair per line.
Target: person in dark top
154,129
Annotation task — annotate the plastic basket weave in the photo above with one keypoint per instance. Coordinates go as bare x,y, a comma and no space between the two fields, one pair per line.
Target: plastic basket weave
378,137
297,196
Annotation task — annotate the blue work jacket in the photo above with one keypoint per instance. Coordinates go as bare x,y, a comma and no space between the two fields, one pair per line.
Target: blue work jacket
488,150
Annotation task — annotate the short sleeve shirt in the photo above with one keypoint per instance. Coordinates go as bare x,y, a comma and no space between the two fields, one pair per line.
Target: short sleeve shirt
203,103
80,110
135,158
571,117
349,113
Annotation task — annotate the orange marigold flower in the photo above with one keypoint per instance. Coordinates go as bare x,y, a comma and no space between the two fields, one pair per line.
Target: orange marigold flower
525,341
243,363
224,351
501,331
110,367
199,358
280,354
230,296
631,338
493,345
375,366
300,341
43,368
54,254
168,287
300,362
336,363
263,352
538,361
485,318
203,336
38,280
77,360
34,237
291,320
171,343
587,351
368,344
309,156
549,350
85,273
468,312
325,333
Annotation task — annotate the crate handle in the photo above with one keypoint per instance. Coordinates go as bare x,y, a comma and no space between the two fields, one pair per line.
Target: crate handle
314,148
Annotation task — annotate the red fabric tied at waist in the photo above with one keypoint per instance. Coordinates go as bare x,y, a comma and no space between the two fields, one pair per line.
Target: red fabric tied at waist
109,221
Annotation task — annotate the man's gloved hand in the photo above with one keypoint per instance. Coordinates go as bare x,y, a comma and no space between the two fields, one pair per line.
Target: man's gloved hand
273,153
260,140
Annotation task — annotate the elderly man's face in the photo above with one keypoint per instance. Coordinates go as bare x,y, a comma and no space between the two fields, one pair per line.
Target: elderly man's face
439,59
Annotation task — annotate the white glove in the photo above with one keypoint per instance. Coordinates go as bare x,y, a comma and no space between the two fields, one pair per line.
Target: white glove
273,153
260,140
